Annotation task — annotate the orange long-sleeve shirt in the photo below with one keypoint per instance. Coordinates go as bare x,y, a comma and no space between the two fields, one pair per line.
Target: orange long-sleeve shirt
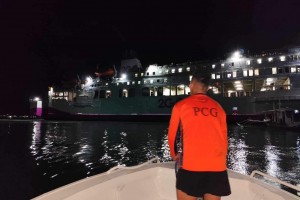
201,122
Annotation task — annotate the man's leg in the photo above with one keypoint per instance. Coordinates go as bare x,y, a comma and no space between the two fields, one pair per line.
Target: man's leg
211,197
183,196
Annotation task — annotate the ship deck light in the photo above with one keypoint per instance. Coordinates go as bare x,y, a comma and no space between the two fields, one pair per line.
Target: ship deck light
123,76
89,80
236,56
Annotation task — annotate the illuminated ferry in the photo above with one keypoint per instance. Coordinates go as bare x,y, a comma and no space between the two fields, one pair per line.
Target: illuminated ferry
247,86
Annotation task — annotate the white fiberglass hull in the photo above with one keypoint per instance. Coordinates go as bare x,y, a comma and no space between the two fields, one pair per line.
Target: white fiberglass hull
156,182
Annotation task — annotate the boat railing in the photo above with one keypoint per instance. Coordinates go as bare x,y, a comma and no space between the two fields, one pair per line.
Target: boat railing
276,180
156,159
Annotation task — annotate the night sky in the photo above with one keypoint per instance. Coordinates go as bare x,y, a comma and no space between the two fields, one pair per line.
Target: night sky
45,42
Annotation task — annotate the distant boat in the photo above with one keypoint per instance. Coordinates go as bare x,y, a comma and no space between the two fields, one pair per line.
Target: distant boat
243,84
157,181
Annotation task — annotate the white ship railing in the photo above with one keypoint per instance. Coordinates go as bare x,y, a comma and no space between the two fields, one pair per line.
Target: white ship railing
276,180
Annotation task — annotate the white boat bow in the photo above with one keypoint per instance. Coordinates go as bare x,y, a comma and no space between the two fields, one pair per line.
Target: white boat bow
156,181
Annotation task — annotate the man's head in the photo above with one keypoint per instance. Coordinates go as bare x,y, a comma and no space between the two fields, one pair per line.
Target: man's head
199,83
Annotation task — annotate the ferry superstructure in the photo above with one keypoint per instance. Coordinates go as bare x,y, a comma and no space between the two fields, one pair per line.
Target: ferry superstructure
245,85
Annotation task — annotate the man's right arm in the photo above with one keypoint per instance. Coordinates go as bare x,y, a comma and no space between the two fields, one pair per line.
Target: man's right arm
173,126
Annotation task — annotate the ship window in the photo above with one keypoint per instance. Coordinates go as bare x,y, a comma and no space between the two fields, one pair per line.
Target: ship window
123,93
245,73
259,61
214,89
128,83
136,75
274,70
218,76
256,72
139,82
213,66
187,90
117,83
145,81
234,74
213,76
167,71
108,94
251,72
188,69
173,90
145,92
131,92
293,69
160,91
158,80
142,74
282,58
102,94
151,81
248,62
147,73
166,91
232,64
222,65
229,75
287,70
96,94
173,71
153,92
280,71
180,70
270,59
190,78
180,90
133,82
165,80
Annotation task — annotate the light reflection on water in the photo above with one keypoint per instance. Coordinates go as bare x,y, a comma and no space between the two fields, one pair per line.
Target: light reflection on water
63,152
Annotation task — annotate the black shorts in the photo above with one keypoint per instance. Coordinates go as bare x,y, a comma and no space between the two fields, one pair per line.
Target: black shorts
199,183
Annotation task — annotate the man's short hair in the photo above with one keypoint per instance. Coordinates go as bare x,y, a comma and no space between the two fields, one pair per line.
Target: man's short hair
202,77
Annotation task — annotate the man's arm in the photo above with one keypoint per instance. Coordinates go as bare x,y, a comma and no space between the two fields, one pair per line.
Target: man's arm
173,126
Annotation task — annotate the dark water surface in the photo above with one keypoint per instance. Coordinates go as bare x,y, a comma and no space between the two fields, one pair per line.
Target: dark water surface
38,156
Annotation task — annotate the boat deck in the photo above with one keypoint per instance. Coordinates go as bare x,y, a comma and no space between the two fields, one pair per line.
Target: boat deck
156,183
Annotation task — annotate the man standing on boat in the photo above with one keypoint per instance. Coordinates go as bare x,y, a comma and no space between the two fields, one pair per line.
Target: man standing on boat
200,123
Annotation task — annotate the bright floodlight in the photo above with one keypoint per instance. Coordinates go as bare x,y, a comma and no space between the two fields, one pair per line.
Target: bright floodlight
123,76
36,99
236,55
89,80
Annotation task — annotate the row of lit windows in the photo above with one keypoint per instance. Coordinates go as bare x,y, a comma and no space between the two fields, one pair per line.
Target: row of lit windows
233,74
258,61
151,81
276,70
167,71
147,91
255,72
